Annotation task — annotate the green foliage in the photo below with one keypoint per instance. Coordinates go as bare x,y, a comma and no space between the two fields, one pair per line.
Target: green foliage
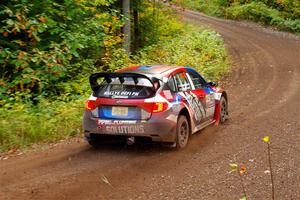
194,47
49,48
48,121
211,7
157,24
282,14
260,12
43,43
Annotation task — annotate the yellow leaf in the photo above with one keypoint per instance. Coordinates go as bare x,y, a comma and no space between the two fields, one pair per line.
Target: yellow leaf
42,19
243,170
20,55
105,180
18,15
266,139
233,167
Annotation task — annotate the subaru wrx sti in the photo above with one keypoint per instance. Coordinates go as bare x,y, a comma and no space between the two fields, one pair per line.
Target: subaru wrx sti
162,103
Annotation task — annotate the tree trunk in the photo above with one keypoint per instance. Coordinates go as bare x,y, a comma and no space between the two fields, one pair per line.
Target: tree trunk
126,29
136,29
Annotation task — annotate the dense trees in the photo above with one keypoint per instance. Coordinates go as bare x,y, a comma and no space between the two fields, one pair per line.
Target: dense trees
47,46
46,41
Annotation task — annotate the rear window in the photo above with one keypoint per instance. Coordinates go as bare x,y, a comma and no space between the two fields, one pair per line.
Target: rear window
129,89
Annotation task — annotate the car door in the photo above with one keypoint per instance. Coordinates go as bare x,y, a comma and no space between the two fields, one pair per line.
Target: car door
204,94
185,88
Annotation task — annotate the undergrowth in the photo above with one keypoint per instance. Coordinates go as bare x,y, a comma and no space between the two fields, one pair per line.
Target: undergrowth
283,15
195,47
261,13
50,120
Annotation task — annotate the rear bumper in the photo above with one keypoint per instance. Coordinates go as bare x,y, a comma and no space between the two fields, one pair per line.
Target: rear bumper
160,127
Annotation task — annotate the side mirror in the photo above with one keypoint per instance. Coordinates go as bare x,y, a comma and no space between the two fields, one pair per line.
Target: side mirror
213,84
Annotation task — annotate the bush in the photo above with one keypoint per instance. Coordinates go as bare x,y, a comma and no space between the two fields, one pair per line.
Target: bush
43,43
194,47
261,13
157,24
211,7
284,15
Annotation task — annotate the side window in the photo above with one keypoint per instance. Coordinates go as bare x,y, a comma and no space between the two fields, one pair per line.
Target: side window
198,81
171,84
182,81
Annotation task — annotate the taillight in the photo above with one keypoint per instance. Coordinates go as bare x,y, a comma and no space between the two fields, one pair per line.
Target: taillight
90,105
159,106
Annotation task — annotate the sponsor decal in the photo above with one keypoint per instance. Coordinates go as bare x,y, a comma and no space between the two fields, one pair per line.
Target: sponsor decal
210,111
121,93
217,96
176,107
102,122
196,105
125,129
210,100
210,104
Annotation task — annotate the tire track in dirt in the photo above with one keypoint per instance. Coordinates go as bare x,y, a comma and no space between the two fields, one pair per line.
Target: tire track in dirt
277,109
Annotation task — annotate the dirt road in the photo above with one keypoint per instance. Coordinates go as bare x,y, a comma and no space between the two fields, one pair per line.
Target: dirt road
264,94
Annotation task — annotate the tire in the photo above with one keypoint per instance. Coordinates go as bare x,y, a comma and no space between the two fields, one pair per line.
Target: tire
223,110
182,132
93,142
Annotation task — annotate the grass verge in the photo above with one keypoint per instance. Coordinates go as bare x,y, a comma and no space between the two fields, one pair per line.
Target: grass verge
48,121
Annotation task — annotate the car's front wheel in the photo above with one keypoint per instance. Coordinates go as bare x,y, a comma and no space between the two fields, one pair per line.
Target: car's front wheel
223,110
182,132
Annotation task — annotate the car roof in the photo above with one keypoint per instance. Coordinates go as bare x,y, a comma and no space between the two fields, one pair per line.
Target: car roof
151,69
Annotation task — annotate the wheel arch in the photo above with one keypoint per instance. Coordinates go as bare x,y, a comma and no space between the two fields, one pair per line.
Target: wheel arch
184,111
224,94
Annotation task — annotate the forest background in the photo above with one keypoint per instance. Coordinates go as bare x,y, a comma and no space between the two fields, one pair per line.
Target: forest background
49,48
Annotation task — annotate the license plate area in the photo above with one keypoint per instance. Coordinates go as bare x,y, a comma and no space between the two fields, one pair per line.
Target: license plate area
119,111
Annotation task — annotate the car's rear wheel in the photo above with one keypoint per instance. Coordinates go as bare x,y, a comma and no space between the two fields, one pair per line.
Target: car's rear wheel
92,141
182,132
223,110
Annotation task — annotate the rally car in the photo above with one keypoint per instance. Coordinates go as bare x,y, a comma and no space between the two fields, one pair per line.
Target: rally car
162,103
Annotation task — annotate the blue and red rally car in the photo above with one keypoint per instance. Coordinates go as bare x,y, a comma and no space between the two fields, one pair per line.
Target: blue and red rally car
163,103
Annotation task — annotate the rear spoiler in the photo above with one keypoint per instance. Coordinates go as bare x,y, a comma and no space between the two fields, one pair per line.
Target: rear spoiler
108,75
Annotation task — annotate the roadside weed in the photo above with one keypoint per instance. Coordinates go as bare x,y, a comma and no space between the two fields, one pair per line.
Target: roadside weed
266,140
